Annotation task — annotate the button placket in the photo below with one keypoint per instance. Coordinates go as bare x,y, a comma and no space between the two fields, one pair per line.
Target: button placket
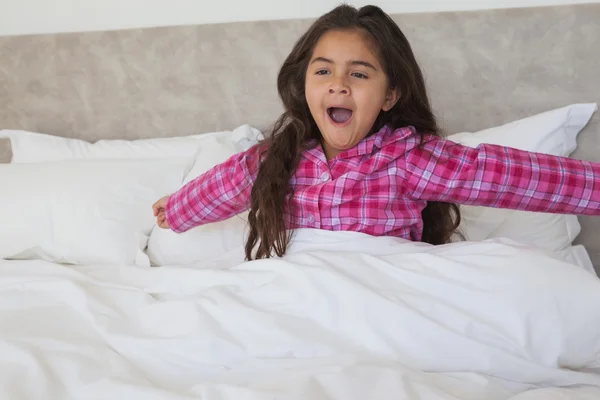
312,218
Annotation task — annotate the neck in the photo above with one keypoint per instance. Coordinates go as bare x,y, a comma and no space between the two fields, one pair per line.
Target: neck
330,153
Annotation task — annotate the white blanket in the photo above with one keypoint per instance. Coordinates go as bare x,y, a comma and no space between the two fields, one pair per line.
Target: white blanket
342,316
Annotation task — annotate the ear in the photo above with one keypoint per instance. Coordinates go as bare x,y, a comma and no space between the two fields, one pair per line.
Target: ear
392,97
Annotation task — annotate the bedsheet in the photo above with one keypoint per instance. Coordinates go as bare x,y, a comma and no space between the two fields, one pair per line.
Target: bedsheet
342,316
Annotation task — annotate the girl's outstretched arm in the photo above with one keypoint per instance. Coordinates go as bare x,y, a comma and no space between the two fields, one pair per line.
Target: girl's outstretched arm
503,177
218,194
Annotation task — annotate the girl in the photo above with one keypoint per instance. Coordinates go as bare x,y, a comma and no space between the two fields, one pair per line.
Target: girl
358,149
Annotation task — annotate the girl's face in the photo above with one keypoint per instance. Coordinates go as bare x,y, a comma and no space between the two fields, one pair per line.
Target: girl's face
346,89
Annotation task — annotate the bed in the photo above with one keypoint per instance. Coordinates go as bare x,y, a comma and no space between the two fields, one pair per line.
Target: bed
96,302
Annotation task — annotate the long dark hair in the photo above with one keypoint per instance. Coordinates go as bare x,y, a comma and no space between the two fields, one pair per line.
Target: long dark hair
296,127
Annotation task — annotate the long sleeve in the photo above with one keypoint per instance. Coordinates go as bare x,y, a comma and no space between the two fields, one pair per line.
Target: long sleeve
503,177
218,194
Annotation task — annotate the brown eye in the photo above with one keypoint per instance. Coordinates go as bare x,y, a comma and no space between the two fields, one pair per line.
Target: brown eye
359,75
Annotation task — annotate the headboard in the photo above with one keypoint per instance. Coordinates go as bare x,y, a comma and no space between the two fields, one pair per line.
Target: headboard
483,68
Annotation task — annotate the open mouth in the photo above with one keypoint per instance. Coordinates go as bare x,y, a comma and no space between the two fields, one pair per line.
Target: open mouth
339,115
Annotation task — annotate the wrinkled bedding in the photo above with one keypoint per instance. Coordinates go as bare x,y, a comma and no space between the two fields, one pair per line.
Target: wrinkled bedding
342,316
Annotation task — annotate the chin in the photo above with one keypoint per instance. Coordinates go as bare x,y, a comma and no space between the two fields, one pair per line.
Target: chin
344,137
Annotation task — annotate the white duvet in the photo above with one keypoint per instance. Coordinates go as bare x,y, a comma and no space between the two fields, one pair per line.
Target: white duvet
342,316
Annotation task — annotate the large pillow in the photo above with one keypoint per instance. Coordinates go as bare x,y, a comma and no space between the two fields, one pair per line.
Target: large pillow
552,132
28,147
84,212
206,242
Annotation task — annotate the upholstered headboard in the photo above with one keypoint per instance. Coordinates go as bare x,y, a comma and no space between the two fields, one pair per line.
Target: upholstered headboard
483,68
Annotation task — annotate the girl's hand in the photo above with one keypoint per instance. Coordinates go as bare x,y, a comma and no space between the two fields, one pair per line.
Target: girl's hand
159,212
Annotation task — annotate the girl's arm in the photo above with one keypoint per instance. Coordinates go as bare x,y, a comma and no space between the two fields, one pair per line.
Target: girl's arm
497,176
218,194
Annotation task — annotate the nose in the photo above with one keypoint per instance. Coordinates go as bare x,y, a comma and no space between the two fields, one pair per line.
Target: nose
339,86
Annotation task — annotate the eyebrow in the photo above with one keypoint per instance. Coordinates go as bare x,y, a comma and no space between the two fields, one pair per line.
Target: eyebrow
352,62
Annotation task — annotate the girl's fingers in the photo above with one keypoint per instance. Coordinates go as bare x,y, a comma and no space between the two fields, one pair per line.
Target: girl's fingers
161,219
159,206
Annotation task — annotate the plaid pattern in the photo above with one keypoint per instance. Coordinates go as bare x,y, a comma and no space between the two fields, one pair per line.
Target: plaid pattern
380,186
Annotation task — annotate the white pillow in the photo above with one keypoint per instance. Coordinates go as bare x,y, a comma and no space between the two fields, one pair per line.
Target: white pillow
83,212
206,242
552,132
29,147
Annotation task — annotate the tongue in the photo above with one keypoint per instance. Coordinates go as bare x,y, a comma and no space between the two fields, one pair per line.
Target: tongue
340,115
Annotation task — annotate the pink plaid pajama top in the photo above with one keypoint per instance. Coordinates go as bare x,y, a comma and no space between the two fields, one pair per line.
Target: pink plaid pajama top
380,186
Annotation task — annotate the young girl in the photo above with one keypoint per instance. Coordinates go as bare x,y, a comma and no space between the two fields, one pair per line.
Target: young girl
358,149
